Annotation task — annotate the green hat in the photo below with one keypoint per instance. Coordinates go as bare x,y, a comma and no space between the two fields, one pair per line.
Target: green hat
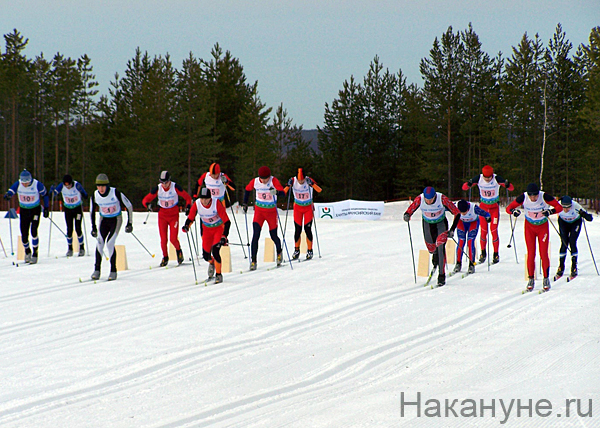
102,180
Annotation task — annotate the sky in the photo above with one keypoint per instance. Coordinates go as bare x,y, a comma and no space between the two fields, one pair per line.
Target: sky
299,52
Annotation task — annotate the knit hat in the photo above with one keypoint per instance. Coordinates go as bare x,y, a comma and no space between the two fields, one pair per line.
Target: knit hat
204,193
533,189
264,172
67,179
300,174
487,171
25,177
429,192
214,169
566,201
102,180
463,206
165,176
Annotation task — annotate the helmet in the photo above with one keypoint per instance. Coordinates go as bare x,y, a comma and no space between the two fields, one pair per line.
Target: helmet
204,193
533,189
165,176
264,172
214,169
67,179
429,192
566,201
487,171
25,177
102,180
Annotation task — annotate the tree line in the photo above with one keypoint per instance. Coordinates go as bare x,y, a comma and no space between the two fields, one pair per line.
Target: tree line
534,116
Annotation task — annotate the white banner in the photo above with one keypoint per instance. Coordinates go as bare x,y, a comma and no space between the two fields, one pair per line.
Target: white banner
350,210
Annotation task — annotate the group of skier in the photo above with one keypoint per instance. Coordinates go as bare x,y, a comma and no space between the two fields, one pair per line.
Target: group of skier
468,216
209,206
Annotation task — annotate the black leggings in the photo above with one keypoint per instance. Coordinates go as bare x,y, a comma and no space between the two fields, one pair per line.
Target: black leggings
569,233
73,215
307,230
30,218
256,236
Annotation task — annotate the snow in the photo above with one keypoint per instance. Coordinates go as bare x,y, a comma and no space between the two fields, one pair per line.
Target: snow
335,342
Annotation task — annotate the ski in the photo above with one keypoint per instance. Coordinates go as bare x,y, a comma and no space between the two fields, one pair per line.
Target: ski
571,278
209,280
544,290
527,290
557,277
430,276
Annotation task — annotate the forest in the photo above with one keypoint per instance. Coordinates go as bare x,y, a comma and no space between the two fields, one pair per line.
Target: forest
533,115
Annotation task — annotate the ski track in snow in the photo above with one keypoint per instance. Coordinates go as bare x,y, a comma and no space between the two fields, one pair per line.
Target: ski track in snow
331,343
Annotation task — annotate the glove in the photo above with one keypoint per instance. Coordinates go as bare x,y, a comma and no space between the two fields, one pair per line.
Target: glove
290,182
309,181
46,213
450,234
507,183
187,209
516,212
586,215
488,219
273,191
223,241
186,226
547,213
94,232
7,196
129,228
52,188
467,185
149,207
406,217
245,208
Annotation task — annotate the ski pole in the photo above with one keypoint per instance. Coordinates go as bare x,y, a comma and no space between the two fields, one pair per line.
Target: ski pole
87,247
457,246
590,245
281,227
511,224
192,254
149,211
247,235
287,209
196,241
235,221
560,236
195,246
512,237
59,229
12,252
315,221
412,252
50,234
136,238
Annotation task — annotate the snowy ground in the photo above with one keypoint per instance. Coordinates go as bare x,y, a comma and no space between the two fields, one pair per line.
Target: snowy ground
335,342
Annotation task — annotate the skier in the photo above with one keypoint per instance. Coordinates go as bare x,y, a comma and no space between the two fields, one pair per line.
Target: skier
569,224
215,229
30,193
267,189
108,200
72,193
168,193
489,193
433,207
467,229
216,181
538,205
302,188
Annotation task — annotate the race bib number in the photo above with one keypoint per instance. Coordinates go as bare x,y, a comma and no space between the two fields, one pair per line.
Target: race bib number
109,210
303,196
215,192
167,203
26,198
71,200
488,193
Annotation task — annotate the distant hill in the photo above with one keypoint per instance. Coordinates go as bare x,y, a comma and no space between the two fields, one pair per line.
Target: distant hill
311,136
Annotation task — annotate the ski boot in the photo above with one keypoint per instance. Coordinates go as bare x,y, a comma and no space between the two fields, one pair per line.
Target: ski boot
27,255
96,274
471,268
279,258
211,269
434,259
164,262
573,266
458,267
81,250
253,265
34,257
496,258
70,251
309,254
483,256
218,278
441,280
112,276
560,272
179,256
296,254
546,284
530,284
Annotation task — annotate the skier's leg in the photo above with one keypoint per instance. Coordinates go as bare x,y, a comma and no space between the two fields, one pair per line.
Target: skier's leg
530,243
163,227
112,232
543,236
495,213
272,222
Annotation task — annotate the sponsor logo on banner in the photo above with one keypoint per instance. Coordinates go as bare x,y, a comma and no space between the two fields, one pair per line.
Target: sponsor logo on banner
326,212
351,210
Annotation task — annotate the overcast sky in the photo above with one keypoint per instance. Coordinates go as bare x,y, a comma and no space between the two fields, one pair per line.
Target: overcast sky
300,52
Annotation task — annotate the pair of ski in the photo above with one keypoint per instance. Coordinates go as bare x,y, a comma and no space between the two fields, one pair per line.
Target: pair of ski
569,278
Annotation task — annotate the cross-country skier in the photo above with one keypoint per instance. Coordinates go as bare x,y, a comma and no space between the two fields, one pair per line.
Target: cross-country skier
265,209
216,181
569,224
489,193
168,193
73,194
108,200
302,188
215,229
30,193
538,205
433,207
467,230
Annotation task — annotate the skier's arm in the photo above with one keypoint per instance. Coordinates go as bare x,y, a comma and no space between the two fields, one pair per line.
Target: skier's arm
150,196
93,211
12,190
470,183
277,185
80,189
249,188
505,183
43,194
185,195
123,199
56,190
222,212
413,207
312,183
192,215
515,204
550,200
228,182
481,212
